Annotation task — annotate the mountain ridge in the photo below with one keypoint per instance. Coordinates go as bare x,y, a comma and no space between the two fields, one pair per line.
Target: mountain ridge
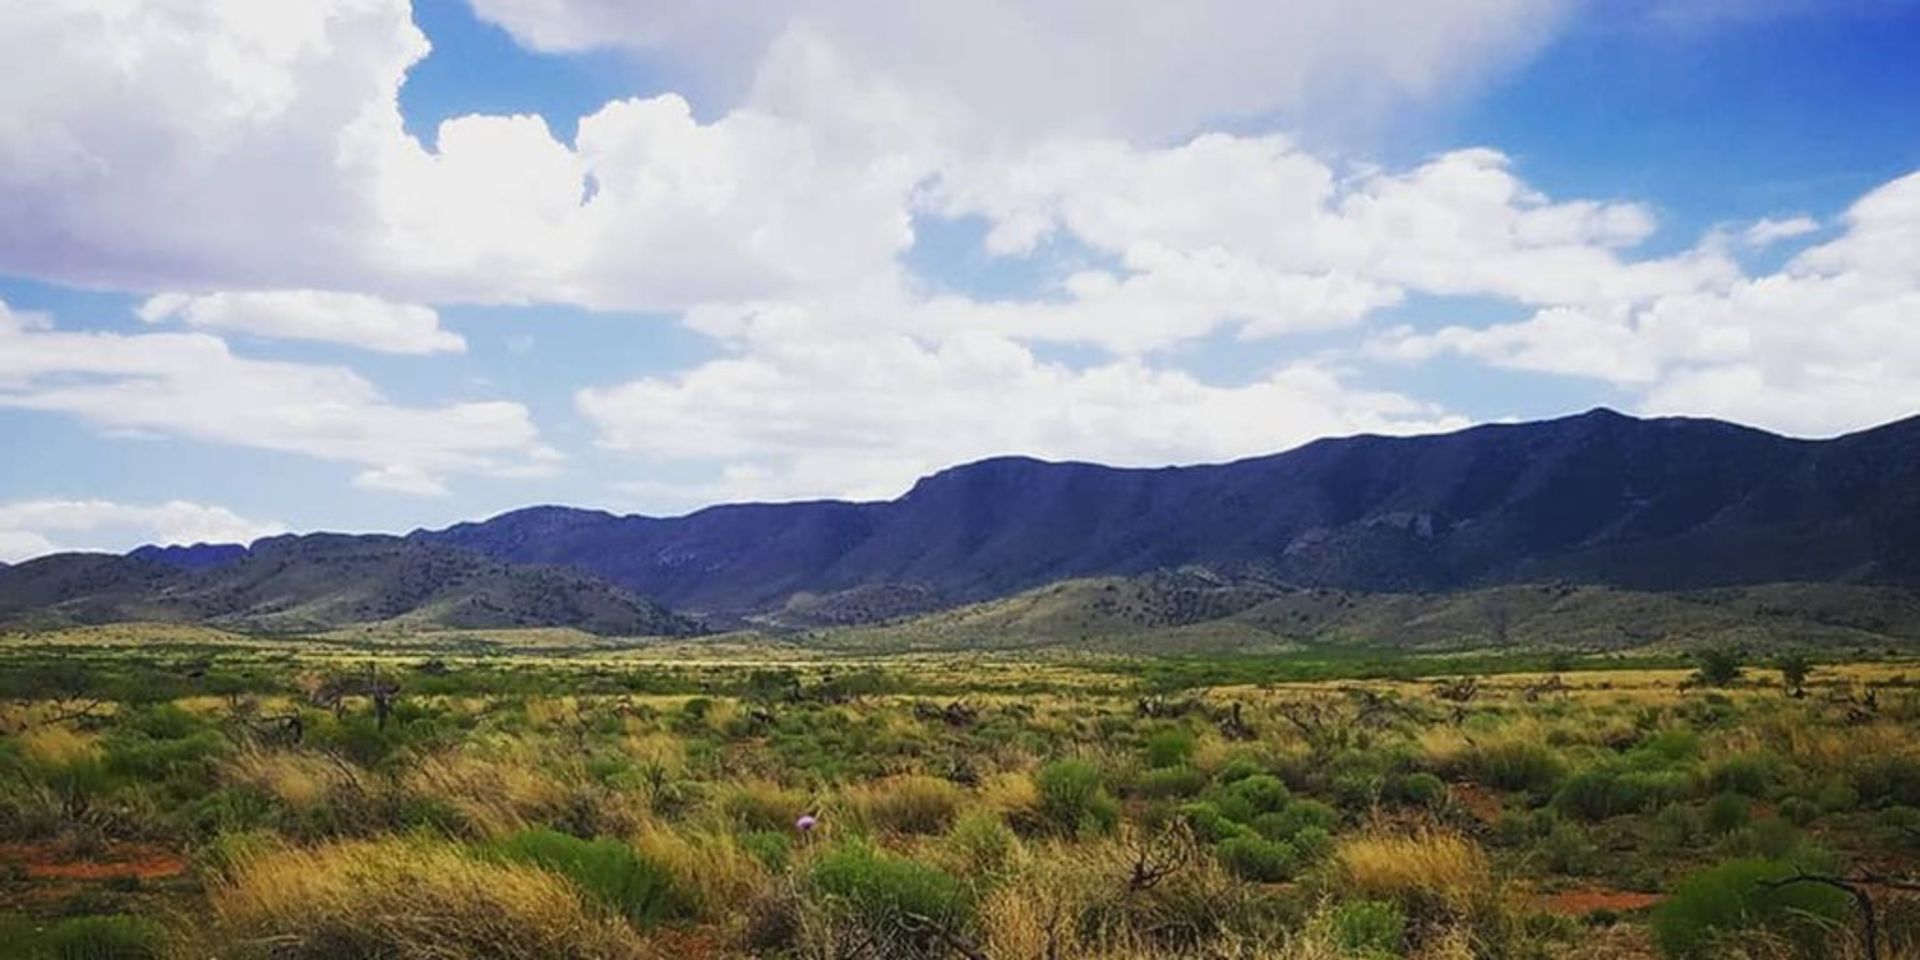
1597,498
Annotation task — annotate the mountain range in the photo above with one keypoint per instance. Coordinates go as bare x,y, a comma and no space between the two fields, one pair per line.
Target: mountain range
1600,499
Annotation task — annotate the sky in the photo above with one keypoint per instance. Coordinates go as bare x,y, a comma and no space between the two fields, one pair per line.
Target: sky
372,265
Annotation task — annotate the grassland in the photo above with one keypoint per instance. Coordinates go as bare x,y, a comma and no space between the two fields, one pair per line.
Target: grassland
166,792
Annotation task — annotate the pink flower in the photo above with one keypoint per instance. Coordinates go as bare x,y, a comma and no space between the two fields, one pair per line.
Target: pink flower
806,822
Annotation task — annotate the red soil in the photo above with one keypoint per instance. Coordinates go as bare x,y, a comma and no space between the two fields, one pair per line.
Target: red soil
46,861
1579,903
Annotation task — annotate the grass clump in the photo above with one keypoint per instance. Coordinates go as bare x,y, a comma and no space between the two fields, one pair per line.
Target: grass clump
1713,910
1073,798
894,902
405,899
611,872
908,804
1370,929
1424,872
112,937
1258,859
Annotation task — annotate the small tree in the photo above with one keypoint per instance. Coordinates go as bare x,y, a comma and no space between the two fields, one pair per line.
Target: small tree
1719,666
1794,668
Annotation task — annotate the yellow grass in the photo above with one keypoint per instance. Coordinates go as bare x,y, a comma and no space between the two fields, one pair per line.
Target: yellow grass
710,866
57,745
1426,867
497,795
299,780
907,804
405,900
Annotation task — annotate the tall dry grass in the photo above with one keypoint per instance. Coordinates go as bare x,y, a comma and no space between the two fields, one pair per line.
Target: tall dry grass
1420,870
404,899
910,803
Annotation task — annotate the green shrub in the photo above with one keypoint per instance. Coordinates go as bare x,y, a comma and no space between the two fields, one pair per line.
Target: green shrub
1074,799
104,938
1167,783
1370,928
1722,902
1312,843
1772,839
1258,859
1749,774
772,848
1516,765
1569,850
1243,800
98,938
1239,768
1888,780
608,870
1799,811
1418,789
1209,824
1727,812
1298,815
1678,826
882,890
1169,747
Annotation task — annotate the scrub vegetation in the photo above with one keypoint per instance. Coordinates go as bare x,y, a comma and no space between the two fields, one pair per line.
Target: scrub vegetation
324,800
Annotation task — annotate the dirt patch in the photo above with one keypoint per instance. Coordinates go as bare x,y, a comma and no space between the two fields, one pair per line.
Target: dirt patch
1582,902
46,861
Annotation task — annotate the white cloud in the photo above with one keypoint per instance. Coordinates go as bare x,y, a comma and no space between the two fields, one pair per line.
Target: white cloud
32,528
1825,345
1767,232
350,318
863,416
1136,68
191,385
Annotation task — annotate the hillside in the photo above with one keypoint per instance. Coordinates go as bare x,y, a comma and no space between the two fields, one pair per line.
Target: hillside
1600,498
1195,612
324,581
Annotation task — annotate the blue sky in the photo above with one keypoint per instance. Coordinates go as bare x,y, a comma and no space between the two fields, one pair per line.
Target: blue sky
289,270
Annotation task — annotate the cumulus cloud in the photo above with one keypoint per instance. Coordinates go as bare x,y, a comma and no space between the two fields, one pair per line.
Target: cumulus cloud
1824,345
864,416
1767,232
353,319
1133,68
191,385
31,528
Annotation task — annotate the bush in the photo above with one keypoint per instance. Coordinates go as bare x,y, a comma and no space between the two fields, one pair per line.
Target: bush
1370,928
1516,765
98,938
1732,898
1569,850
1749,774
1243,800
1258,859
1209,824
1299,815
1727,812
1678,826
611,872
1418,789
882,891
1073,798
1772,839
1170,747
1167,783
1799,811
